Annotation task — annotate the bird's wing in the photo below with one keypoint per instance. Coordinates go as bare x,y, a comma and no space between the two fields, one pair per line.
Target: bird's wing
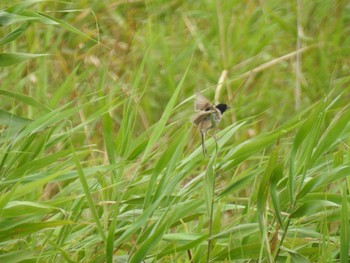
200,116
201,102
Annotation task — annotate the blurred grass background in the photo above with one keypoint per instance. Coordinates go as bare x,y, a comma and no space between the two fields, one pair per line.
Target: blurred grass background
99,161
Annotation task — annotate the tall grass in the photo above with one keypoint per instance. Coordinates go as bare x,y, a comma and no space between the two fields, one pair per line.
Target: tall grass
99,161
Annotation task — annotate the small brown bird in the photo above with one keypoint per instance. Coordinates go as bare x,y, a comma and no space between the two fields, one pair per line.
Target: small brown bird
208,116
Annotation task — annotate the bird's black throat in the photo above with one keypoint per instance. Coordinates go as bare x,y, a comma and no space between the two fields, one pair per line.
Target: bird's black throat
222,107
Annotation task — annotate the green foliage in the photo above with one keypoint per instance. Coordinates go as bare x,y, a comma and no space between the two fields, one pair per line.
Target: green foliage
99,161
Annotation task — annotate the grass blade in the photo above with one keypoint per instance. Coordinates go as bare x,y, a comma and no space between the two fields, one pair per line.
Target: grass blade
13,58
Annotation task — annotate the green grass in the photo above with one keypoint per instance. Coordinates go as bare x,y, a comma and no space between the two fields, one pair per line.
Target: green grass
99,161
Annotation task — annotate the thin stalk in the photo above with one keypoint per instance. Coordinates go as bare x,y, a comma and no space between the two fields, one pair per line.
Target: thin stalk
210,225
297,94
297,91
211,215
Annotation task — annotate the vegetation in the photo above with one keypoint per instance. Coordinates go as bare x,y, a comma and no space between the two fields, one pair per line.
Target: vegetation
99,161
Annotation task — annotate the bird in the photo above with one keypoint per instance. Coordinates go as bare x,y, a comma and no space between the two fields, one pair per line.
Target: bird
207,117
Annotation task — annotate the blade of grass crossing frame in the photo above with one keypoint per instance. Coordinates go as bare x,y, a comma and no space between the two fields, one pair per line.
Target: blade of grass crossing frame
110,234
13,123
248,148
24,189
238,232
209,191
60,91
22,5
35,165
13,58
168,160
108,136
244,150
224,136
139,222
25,99
11,233
299,139
7,18
5,198
311,144
34,147
168,182
263,192
276,176
123,138
209,180
180,248
155,236
158,129
17,256
46,120
30,148
13,34
331,135
75,211
168,188
237,185
311,207
321,181
88,195
246,251
344,225
62,23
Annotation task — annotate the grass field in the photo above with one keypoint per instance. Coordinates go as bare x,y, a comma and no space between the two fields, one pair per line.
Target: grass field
99,161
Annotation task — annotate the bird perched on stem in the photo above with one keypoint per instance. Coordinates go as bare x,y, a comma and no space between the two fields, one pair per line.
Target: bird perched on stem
207,117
